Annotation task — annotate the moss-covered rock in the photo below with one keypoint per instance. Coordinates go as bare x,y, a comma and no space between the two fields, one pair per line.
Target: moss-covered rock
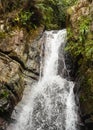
80,46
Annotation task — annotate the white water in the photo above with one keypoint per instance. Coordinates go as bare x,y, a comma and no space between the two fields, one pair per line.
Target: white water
50,104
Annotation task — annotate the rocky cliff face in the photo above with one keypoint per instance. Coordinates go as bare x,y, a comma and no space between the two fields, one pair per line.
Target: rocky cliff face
19,60
80,46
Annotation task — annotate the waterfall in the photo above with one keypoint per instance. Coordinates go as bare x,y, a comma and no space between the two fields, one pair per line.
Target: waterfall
50,104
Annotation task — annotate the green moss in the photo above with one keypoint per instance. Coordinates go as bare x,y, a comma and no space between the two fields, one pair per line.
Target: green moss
69,33
4,94
2,35
81,42
80,46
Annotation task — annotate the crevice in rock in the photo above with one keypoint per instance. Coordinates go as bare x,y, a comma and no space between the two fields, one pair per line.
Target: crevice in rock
12,90
15,58
22,65
36,73
27,75
5,52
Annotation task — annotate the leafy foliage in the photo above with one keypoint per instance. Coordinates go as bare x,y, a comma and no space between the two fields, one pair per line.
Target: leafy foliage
24,18
4,94
84,28
47,13
50,13
54,12
80,46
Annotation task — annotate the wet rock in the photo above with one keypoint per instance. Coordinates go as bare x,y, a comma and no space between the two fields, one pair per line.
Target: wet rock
14,44
8,68
11,84
19,61
3,124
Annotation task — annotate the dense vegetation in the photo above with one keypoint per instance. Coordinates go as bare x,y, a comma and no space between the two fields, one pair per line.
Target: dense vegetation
32,13
80,46
54,12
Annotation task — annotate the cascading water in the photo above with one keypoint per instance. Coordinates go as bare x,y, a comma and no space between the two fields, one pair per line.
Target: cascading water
50,104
